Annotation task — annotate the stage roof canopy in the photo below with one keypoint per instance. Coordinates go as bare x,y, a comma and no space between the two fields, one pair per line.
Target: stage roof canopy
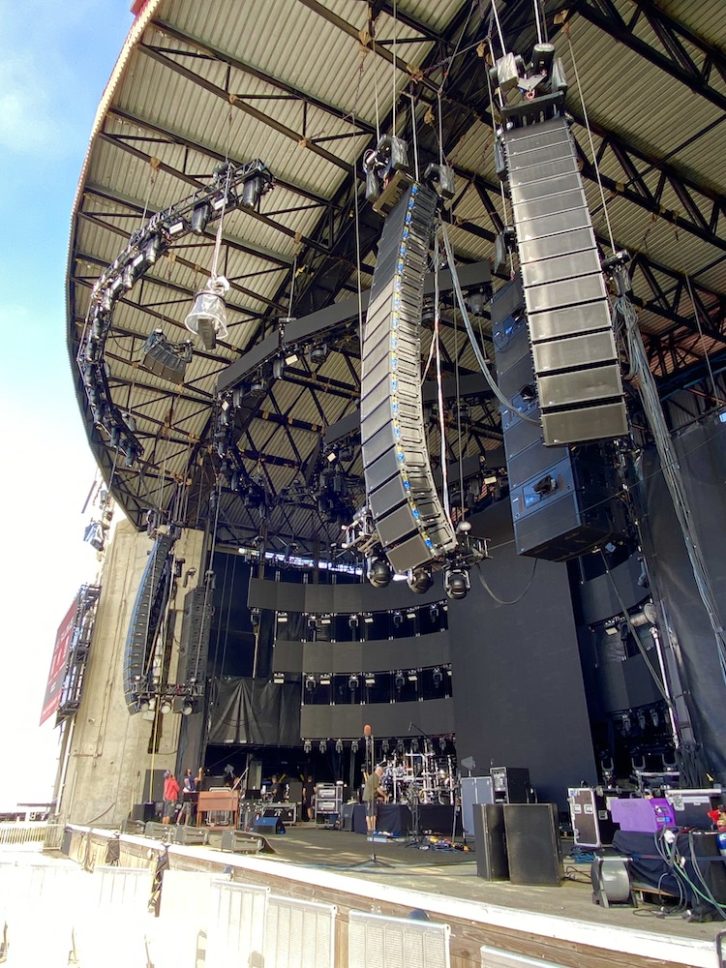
304,85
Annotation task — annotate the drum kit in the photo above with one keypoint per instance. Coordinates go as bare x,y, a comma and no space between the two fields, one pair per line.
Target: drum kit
420,778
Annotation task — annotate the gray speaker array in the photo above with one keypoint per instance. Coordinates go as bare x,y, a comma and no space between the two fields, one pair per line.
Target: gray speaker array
407,512
575,360
147,610
194,647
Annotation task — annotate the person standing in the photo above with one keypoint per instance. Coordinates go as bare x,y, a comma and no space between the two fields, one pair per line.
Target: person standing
189,798
171,795
372,794
308,798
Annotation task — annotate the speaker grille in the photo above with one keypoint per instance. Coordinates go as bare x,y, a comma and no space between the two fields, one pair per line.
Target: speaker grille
150,600
575,360
408,515
194,648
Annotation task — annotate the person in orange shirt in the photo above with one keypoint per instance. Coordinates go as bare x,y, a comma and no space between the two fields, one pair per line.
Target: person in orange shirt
171,795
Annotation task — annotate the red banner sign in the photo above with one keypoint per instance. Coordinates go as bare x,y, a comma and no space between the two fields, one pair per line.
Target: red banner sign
58,663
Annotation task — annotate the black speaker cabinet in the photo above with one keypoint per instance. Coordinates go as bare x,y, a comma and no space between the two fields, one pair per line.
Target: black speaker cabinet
143,811
268,825
533,843
491,846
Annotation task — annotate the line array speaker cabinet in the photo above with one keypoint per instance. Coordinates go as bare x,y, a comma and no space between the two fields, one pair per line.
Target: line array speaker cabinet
145,616
533,843
564,499
194,646
143,811
575,360
408,515
268,825
490,839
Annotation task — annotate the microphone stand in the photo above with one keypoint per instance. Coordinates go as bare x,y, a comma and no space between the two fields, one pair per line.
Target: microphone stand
370,765
416,837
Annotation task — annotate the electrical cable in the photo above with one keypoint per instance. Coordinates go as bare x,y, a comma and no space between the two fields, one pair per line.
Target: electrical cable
503,601
472,336
499,27
697,316
439,382
458,416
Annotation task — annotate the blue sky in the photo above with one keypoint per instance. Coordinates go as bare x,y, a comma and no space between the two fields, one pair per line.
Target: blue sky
55,59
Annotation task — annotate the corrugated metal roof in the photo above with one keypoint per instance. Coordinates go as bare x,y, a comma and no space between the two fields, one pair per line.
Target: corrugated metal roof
290,82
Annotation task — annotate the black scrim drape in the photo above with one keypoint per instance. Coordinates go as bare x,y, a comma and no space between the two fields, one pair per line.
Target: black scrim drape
701,451
254,712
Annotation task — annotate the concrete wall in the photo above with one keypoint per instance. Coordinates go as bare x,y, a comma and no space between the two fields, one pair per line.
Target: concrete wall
109,748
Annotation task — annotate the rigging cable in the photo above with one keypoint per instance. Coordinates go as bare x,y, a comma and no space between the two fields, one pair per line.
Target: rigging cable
458,416
472,336
589,136
439,387
504,601
716,398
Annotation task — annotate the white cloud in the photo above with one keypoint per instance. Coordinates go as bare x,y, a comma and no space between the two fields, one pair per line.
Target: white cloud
28,121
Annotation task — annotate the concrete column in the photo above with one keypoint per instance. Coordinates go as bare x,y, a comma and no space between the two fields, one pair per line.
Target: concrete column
111,749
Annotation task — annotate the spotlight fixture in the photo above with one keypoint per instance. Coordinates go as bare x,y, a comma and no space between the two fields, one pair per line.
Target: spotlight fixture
411,613
442,743
353,622
370,679
310,683
319,353
368,618
379,572
255,618
412,675
323,746
437,677
397,618
152,704
420,580
165,706
385,746
331,457
433,612
278,368
281,618
352,683
339,746
200,216
354,747
208,316
414,745
456,583
398,680
187,707
143,705
307,746
325,678
278,678
400,746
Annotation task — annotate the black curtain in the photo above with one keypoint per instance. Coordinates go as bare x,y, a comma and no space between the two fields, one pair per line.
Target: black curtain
251,712
701,451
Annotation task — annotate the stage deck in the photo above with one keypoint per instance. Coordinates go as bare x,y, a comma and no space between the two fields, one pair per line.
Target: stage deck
559,926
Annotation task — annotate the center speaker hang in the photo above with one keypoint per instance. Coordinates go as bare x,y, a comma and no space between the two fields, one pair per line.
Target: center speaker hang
576,366
411,524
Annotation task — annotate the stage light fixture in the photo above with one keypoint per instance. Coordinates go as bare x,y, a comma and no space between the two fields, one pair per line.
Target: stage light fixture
278,368
165,706
128,276
379,572
399,680
255,618
414,745
412,675
143,705
354,747
323,746
397,618
175,225
307,746
385,746
442,743
310,683
152,704
291,358
187,707
339,746
208,316
433,612
437,677
420,580
368,618
281,618
456,583
331,457
325,678
200,216
151,249
352,683
411,613
370,679
319,353
353,622
278,678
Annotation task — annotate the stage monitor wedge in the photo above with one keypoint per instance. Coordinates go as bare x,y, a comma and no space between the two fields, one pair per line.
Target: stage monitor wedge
408,515
575,360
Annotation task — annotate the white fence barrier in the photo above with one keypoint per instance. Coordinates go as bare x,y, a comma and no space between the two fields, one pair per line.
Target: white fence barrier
299,934
375,941
236,932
